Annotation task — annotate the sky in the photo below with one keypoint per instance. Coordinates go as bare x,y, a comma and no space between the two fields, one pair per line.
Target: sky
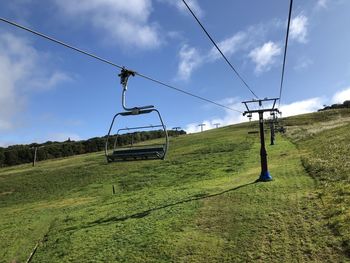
48,92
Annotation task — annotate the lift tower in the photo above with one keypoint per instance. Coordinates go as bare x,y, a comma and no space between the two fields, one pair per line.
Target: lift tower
176,129
265,175
201,125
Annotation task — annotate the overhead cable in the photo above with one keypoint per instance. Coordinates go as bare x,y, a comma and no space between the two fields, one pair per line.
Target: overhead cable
112,64
285,51
188,93
217,47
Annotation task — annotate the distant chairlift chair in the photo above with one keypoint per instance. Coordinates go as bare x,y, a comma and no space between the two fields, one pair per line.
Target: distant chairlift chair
135,152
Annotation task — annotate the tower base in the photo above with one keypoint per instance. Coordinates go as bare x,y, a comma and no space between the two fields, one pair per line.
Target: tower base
265,177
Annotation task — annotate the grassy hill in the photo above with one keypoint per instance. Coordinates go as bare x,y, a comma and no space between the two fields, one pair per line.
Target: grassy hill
201,204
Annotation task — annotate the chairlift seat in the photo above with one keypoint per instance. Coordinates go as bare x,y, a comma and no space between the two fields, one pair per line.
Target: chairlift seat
136,111
145,107
137,153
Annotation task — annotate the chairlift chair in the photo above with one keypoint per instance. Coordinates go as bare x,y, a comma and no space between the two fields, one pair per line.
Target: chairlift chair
135,152
250,116
280,124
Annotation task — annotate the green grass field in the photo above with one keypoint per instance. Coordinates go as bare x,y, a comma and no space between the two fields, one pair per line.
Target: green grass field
201,204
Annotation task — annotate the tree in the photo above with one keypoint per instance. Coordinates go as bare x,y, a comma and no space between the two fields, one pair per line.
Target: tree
11,157
2,158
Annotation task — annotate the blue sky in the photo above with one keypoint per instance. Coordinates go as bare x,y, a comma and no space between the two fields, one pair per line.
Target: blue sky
48,92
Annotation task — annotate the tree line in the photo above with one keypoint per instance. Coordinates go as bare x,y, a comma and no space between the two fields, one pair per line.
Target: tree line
345,104
20,154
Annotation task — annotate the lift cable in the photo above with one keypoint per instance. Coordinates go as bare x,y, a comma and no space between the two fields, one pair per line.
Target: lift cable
187,93
217,47
113,64
285,50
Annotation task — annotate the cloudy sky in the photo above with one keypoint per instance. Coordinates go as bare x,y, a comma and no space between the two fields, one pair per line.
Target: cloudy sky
48,92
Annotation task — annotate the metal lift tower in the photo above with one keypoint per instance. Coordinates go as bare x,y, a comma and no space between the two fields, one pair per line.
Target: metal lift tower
176,129
265,175
201,125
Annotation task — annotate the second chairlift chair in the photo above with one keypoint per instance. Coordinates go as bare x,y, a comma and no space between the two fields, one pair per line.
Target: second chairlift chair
135,152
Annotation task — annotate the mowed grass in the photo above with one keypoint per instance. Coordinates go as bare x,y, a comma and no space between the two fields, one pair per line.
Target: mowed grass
201,204
325,149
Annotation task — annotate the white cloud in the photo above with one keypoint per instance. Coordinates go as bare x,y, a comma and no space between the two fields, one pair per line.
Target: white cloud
56,78
303,63
48,82
240,41
23,70
193,4
341,96
322,3
124,22
264,56
229,46
301,107
298,28
243,40
189,60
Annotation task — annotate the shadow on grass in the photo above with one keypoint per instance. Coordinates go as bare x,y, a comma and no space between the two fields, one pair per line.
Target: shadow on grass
147,212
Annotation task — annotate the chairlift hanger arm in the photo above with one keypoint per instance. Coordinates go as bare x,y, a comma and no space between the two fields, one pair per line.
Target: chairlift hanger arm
124,78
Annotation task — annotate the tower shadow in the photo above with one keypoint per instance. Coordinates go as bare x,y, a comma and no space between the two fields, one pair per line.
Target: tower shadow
147,212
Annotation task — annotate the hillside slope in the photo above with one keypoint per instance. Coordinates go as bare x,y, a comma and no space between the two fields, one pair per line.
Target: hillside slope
201,204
